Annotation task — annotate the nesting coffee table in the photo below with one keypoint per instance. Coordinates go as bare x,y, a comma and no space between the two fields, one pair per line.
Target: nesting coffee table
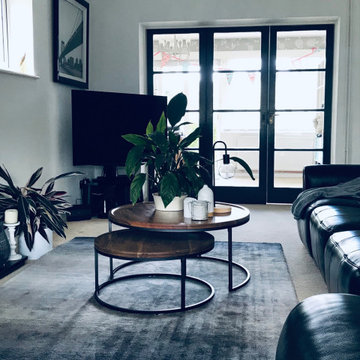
157,235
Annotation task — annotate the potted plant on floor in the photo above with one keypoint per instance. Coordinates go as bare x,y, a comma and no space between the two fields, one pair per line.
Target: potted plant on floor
174,170
40,209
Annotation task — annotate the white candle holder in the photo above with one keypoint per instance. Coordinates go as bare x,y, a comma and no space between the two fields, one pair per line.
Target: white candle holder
12,241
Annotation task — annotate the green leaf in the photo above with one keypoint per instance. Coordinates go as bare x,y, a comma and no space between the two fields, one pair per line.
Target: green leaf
176,108
174,140
136,139
5,189
177,127
160,161
160,140
49,188
161,125
61,176
6,176
34,177
190,138
191,180
191,158
133,160
169,188
243,164
149,128
44,202
136,187
25,222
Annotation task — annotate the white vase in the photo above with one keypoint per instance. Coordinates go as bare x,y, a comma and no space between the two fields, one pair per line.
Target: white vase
207,194
177,204
40,248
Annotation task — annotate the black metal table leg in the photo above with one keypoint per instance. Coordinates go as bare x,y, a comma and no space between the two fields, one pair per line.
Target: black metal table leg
111,267
230,263
96,271
183,277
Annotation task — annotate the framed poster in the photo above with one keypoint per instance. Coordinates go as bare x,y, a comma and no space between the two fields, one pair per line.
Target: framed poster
71,42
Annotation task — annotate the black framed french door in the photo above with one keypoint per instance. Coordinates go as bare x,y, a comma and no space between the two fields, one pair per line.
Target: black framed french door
264,91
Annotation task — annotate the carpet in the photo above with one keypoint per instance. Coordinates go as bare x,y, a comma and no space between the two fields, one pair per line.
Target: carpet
48,311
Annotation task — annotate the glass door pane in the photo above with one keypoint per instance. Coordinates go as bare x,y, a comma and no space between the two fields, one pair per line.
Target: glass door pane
176,68
299,104
236,104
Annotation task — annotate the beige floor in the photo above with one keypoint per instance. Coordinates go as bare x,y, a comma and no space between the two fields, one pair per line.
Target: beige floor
268,223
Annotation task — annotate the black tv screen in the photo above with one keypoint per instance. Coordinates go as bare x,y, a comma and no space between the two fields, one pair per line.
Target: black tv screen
100,118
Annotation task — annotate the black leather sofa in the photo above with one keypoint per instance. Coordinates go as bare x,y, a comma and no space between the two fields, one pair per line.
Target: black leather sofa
327,326
322,327
330,228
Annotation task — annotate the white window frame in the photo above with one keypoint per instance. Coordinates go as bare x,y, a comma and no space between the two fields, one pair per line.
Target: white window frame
4,51
16,37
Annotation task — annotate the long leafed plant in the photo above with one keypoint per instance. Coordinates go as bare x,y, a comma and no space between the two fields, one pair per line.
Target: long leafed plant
38,207
173,168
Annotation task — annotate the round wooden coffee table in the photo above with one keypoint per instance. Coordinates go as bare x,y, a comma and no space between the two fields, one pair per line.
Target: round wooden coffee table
143,216
137,246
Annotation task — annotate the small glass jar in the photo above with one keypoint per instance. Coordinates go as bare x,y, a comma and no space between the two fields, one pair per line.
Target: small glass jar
199,210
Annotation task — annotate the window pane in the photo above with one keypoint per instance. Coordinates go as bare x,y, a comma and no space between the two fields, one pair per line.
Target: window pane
241,177
3,35
171,84
176,52
20,36
237,129
193,118
301,50
289,166
300,90
237,51
236,91
299,130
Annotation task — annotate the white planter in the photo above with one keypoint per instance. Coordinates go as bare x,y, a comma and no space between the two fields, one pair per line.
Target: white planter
177,204
40,248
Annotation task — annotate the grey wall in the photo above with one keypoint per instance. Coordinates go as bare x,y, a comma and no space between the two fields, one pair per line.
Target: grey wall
35,115
118,29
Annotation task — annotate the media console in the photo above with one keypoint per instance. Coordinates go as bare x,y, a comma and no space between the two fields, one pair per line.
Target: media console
101,195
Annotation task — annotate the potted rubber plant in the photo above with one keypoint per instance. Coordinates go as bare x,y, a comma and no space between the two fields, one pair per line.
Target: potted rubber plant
40,209
173,169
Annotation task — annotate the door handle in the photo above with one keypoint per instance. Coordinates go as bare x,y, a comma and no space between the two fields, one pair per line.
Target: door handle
272,118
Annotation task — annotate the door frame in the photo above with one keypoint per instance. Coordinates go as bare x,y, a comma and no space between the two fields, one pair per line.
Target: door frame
265,192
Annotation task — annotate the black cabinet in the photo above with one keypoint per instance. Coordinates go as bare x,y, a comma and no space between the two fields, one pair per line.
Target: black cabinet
103,194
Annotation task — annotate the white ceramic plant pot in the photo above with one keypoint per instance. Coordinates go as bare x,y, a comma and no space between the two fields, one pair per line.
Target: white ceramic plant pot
40,248
177,204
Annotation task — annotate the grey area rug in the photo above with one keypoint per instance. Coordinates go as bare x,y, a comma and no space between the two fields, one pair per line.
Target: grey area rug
48,311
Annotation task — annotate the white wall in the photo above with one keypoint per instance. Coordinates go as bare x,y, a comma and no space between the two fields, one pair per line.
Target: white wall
35,114
117,39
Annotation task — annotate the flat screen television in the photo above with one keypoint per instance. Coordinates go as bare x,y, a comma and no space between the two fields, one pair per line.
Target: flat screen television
100,118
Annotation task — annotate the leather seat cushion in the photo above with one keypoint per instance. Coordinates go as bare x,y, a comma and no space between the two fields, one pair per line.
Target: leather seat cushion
322,327
326,220
342,262
303,223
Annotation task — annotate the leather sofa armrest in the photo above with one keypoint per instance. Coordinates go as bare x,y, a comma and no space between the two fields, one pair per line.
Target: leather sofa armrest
329,174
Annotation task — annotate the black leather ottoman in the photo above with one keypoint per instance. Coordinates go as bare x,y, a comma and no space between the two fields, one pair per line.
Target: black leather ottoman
342,262
326,220
322,327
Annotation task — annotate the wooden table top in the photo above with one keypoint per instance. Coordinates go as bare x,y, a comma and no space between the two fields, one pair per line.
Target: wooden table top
145,245
144,216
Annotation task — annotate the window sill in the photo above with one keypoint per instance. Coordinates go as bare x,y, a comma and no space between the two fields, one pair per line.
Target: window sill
12,72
